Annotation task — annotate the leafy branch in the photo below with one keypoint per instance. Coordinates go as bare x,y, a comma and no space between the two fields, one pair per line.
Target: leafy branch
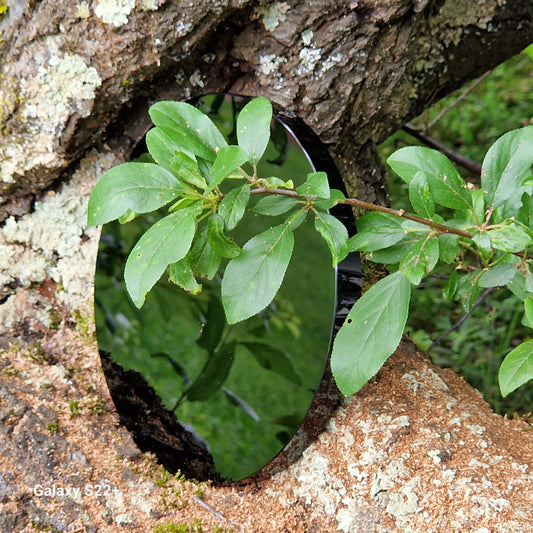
477,238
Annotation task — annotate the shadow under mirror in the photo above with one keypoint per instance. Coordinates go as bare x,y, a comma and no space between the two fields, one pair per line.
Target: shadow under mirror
241,391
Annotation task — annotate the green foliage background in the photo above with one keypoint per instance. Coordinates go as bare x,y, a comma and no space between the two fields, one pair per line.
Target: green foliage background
502,102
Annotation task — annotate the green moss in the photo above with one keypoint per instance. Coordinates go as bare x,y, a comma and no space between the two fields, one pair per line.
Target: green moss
53,427
97,406
74,406
83,324
170,527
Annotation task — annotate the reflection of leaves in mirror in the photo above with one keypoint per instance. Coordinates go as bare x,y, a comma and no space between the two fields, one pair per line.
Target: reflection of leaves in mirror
187,330
224,380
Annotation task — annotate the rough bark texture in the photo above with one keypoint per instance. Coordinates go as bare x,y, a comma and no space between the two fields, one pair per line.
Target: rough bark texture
353,70
417,449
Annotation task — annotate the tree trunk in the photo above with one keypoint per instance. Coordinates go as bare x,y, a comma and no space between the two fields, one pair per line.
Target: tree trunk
417,449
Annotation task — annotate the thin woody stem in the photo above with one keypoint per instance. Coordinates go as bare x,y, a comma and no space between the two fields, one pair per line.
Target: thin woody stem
353,202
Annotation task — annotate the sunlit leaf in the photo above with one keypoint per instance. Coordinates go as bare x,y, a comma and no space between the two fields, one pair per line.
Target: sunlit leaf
274,205
509,237
527,320
517,368
186,168
420,196
451,285
497,275
371,332
335,197
482,239
252,279
253,128
220,243
188,127
204,261
161,147
420,259
277,183
228,159
468,289
448,247
447,187
139,187
316,184
335,234
166,242
505,168
376,231
522,284
233,206
181,274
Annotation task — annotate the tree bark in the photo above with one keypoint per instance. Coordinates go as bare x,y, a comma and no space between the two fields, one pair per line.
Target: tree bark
417,449
77,75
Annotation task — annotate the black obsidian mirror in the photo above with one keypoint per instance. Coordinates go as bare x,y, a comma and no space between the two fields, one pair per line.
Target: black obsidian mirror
241,409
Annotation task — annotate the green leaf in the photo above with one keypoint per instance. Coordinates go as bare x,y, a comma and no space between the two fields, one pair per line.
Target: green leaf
128,216
525,214
497,276
161,147
220,243
371,332
395,253
376,231
233,206
420,195
482,239
448,247
275,204
517,368
214,326
252,280
276,183
509,237
477,216
185,202
335,234
468,289
273,359
451,286
189,128
522,284
181,274
506,167
527,320
186,168
204,261
166,242
447,187
213,374
228,159
316,184
421,259
253,128
336,196
140,187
